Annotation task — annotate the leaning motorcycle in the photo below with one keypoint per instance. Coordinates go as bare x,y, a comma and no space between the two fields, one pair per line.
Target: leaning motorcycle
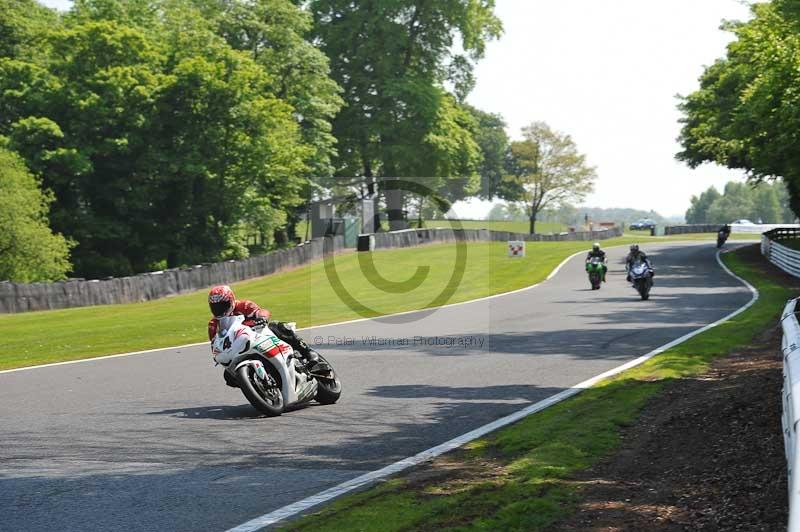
268,371
641,275
594,267
722,236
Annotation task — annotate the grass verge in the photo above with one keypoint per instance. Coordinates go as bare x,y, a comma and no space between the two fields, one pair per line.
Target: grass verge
520,477
303,295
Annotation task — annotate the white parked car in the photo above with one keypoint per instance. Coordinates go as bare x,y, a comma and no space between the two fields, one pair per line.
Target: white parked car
742,222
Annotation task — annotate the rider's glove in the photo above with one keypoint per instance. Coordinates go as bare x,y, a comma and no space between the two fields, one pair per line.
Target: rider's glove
258,323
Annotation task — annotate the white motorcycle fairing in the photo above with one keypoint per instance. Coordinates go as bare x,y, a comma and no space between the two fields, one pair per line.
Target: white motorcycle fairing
239,344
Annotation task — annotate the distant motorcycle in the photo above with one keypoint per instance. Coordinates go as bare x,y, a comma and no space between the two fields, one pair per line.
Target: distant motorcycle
268,371
722,236
594,267
641,275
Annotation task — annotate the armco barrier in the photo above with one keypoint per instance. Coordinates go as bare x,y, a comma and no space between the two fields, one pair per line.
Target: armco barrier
791,408
17,297
782,256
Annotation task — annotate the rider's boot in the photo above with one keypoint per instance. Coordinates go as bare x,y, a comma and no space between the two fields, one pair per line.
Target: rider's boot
311,356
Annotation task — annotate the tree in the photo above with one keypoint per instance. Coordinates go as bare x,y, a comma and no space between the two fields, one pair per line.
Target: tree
29,250
22,25
493,142
548,169
507,212
161,143
763,201
766,203
698,211
787,215
273,33
735,203
744,113
392,59
91,126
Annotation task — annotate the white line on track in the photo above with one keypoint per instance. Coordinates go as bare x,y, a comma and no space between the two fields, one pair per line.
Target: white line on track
368,478
155,350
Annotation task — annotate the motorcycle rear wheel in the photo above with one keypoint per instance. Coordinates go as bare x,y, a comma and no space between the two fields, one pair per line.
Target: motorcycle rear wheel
328,389
268,401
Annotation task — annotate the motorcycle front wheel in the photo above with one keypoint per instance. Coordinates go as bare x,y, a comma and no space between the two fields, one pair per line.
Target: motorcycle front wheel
266,397
643,287
329,388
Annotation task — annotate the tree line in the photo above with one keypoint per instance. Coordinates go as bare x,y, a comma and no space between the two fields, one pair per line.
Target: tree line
763,203
158,133
576,216
744,116
167,131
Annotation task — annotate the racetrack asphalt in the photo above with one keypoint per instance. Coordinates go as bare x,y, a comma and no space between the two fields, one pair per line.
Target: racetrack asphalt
156,441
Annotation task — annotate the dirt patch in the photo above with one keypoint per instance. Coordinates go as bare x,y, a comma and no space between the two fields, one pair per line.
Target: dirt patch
706,454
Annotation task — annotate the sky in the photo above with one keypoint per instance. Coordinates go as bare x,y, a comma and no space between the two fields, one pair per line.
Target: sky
606,72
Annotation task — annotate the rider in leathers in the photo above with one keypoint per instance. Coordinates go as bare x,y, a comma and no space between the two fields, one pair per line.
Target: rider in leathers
222,302
597,252
635,255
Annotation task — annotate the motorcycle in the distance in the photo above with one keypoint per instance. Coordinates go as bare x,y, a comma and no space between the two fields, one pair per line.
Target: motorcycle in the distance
594,267
268,371
641,275
722,236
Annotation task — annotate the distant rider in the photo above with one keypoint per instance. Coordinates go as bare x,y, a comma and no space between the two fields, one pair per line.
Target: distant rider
635,255
599,253
222,302
726,229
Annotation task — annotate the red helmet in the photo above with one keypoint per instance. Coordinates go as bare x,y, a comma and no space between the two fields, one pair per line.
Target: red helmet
221,301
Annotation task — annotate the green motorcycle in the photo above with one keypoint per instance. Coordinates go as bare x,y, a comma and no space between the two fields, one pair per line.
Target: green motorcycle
595,268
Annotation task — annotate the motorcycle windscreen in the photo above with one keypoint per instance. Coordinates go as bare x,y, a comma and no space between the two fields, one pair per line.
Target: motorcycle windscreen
227,322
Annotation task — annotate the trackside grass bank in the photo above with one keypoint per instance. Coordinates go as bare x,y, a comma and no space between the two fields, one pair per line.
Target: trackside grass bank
303,295
522,477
